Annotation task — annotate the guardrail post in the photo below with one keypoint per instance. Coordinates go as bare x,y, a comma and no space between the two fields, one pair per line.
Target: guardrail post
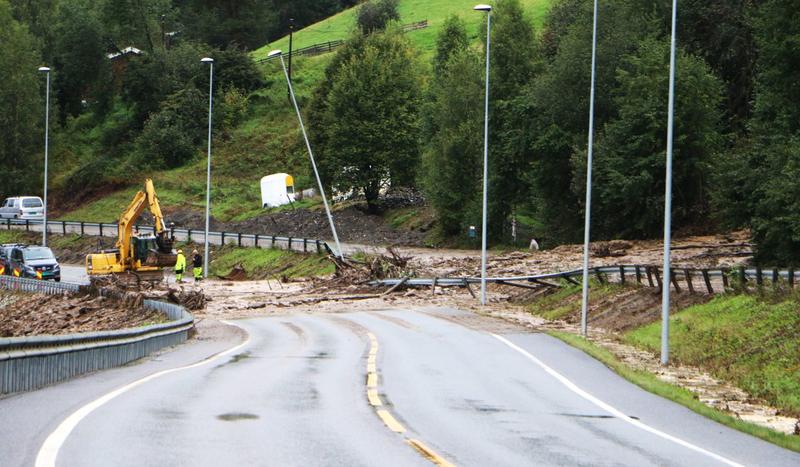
742,277
256,240
290,244
622,275
222,241
707,280
688,274
638,274
674,279
791,278
82,232
775,276
101,229
136,228
305,245
599,275
658,278
188,235
239,240
759,276
724,272
318,247
273,241
64,227
27,225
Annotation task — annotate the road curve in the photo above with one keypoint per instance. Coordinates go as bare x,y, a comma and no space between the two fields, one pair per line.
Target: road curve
449,387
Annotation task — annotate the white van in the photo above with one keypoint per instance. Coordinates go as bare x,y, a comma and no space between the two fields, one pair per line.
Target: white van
277,190
23,207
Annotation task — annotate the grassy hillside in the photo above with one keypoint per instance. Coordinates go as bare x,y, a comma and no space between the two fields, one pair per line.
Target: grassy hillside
750,341
411,11
268,139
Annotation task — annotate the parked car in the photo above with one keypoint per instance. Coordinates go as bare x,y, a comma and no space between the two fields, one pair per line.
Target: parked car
22,207
34,262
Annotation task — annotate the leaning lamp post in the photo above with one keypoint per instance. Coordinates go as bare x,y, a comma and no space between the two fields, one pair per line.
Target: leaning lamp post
210,62
46,70
488,10
279,54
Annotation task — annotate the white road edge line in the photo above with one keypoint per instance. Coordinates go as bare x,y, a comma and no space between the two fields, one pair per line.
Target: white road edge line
49,450
610,409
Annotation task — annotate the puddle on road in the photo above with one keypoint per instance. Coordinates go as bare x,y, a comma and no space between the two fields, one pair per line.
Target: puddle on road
237,416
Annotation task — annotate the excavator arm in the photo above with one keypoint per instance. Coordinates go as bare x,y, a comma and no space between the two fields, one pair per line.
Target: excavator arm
142,199
155,208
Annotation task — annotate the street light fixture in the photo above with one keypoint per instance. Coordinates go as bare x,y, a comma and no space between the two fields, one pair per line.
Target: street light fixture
588,208
210,62
46,70
488,10
338,251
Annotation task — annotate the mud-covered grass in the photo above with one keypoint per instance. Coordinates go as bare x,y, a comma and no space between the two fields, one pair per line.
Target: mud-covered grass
566,301
751,341
263,263
651,383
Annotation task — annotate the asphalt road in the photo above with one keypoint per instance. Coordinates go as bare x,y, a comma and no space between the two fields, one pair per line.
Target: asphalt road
380,388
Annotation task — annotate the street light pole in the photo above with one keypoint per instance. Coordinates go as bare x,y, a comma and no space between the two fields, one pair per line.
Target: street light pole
291,33
588,208
668,197
338,251
488,10
46,70
210,61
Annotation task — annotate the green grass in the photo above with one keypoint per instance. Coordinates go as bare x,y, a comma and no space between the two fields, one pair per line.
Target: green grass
436,12
268,139
14,236
566,300
651,383
752,341
260,263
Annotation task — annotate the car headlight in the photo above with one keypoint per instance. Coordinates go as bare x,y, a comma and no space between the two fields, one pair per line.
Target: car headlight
29,269
56,267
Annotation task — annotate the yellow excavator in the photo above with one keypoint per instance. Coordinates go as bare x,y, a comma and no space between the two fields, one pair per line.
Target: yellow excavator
137,257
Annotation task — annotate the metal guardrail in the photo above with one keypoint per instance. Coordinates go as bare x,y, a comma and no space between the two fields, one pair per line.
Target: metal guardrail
711,280
33,285
32,362
305,245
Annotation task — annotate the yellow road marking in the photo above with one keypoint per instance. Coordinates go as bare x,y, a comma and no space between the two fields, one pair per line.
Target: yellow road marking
390,421
371,360
374,400
371,368
372,380
428,453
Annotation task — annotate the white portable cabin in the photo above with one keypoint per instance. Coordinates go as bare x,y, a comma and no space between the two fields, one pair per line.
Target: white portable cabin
277,190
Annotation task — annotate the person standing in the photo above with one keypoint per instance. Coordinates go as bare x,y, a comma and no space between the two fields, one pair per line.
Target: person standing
197,262
180,267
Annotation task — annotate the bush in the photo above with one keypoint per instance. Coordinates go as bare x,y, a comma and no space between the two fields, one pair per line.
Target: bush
376,15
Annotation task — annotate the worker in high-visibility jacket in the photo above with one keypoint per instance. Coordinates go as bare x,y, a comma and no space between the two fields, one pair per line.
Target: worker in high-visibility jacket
180,266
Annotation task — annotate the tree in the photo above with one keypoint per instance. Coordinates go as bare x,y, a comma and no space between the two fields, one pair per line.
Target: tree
79,55
21,107
630,159
375,15
452,40
453,159
371,117
513,66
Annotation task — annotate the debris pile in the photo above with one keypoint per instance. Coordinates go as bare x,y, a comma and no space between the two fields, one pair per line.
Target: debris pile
36,314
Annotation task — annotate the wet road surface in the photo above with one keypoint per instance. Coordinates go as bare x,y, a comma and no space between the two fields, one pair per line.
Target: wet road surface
372,388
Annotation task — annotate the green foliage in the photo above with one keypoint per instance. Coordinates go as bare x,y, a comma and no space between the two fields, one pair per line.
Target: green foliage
21,107
452,166
753,342
631,148
375,15
369,117
451,40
